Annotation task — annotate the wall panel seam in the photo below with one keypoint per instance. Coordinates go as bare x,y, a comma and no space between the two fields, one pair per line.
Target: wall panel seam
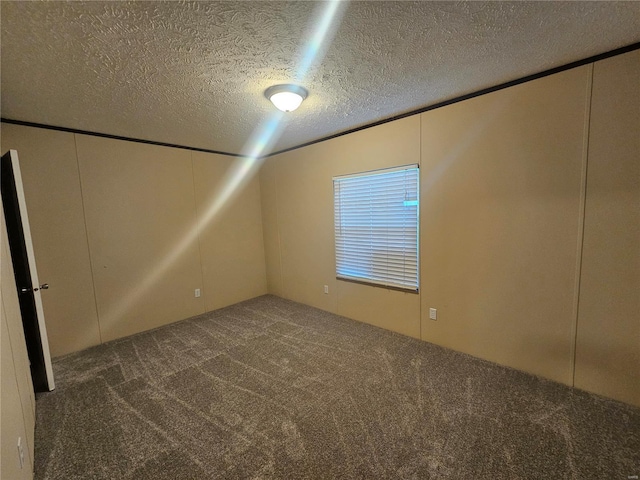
199,232
86,233
581,220
262,226
275,176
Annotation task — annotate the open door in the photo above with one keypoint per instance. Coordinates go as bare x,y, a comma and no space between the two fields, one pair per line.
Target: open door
24,266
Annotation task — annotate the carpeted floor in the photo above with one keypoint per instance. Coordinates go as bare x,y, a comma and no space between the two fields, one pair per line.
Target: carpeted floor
272,389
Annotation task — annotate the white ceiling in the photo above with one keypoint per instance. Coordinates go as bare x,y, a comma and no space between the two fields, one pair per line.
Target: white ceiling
194,73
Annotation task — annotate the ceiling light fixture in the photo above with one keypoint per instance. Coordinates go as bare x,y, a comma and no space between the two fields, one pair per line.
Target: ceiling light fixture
286,97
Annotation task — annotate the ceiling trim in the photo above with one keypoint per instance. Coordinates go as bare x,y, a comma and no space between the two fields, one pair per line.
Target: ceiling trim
528,78
116,137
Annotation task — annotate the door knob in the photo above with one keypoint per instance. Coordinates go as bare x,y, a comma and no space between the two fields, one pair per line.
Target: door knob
44,286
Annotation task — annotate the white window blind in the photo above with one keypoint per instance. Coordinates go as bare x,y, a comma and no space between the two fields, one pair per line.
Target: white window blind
376,227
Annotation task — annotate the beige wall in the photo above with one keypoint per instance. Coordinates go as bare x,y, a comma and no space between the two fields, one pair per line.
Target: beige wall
115,227
231,244
271,227
608,341
54,200
139,203
501,195
297,200
503,192
17,401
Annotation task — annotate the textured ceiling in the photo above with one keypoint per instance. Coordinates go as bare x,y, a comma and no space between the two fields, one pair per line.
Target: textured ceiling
194,73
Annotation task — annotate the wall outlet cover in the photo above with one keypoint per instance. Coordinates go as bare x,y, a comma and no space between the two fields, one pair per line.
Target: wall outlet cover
433,313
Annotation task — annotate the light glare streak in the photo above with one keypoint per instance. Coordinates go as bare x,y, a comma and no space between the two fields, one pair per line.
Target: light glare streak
321,36
243,169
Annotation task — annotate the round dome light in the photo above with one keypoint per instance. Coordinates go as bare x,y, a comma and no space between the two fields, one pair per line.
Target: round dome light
286,97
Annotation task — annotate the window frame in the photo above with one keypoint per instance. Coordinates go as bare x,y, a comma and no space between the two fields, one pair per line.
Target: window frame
387,284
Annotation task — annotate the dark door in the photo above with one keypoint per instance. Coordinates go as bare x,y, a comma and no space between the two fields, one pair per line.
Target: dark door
23,260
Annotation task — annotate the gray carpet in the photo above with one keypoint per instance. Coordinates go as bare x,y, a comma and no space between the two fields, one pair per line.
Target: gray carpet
272,389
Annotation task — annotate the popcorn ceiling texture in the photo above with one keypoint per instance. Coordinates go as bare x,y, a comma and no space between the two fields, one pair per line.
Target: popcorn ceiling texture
194,73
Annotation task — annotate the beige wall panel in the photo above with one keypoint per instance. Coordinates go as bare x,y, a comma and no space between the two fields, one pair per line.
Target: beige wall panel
16,389
388,145
231,242
13,423
391,309
270,226
304,187
305,220
608,340
501,194
140,208
52,189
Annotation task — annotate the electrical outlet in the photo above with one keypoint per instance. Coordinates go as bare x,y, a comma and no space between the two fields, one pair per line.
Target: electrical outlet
197,292
326,289
20,452
433,314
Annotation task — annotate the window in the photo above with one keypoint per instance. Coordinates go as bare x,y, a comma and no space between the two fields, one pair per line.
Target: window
376,227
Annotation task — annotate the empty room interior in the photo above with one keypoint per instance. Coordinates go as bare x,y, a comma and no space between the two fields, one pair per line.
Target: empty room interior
426,267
